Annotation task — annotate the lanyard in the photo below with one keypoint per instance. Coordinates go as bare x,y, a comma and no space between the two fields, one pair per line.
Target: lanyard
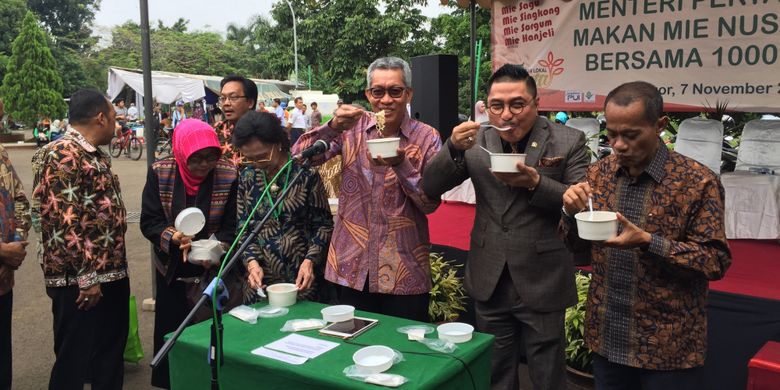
278,210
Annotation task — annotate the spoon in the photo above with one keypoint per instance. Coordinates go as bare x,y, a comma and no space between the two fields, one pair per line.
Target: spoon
483,148
496,127
590,207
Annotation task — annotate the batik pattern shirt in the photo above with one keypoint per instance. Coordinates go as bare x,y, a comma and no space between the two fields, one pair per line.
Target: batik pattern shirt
381,232
300,230
224,131
82,215
647,307
14,214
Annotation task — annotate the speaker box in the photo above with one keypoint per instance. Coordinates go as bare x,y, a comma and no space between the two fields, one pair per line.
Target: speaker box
435,84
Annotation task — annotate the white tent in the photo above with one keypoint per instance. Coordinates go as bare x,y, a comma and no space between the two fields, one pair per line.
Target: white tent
166,88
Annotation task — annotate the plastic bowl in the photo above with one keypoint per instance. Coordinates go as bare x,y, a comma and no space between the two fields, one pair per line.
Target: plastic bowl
385,147
282,294
596,226
190,221
374,359
457,332
338,313
505,162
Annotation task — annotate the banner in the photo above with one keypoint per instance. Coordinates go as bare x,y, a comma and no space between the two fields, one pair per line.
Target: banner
699,53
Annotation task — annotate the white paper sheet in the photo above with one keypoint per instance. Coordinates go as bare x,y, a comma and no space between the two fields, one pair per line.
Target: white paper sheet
305,346
282,357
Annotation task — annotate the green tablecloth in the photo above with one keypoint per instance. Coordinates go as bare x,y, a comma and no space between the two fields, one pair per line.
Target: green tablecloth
243,370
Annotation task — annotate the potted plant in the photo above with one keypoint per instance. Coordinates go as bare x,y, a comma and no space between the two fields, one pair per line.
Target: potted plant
578,357
448,297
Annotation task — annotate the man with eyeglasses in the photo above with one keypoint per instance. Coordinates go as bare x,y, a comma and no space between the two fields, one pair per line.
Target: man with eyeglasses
518,272
238,96
379,251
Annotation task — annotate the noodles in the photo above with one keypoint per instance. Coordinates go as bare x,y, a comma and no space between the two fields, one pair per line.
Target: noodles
380,122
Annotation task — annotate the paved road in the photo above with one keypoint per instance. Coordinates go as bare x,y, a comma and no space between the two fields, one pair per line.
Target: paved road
32,319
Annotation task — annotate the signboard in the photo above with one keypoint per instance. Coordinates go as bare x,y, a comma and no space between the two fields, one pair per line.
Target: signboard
699,53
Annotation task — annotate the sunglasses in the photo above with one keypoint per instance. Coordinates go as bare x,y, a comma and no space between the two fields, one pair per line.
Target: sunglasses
394,92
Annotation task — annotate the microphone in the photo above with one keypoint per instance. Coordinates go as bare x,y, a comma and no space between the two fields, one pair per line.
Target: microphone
319,147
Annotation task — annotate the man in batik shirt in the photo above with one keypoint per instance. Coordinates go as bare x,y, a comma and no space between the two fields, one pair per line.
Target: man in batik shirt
380,245
83,226
237,97
646,314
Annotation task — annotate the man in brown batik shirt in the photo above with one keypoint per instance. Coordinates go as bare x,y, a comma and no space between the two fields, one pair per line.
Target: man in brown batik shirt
646,313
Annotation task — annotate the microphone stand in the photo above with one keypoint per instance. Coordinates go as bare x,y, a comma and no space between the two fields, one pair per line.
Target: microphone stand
222,293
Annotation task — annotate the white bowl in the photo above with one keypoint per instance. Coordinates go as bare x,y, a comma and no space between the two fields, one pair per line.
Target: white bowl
505,162
282,294
385,147
338,313
457,332
374,359
596,226
190,221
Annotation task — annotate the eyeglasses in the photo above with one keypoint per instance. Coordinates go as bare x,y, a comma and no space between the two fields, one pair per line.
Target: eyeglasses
223,99
515,107
394,92
198,159
252,161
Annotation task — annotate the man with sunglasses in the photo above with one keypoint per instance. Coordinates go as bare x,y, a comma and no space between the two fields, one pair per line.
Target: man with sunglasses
519,273
238,96
379,251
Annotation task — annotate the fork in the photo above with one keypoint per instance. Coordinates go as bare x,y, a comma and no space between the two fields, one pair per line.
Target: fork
496,127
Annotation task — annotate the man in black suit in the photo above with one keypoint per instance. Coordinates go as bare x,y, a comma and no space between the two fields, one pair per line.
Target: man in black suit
518,272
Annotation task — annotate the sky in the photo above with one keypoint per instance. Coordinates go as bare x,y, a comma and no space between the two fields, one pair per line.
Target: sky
209,15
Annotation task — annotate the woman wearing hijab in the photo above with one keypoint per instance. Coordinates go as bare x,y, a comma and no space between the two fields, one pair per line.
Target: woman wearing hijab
195,176
479,112
293,245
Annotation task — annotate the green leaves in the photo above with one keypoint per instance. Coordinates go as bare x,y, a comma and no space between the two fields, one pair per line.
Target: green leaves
69,21
32,87
175,50
447,293
339,39
578,355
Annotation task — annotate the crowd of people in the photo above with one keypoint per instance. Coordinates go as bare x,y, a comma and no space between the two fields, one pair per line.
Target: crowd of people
646,321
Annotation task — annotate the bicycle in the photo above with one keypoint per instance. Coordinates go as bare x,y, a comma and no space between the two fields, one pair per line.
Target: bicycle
164,139
127,142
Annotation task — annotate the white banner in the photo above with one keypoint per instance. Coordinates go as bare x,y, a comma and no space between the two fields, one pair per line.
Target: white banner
699,53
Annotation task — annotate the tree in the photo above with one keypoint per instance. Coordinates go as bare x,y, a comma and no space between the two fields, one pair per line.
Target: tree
70,66
68,21
238,34
454,31
180,25
338,38
31,86
11,14
175,51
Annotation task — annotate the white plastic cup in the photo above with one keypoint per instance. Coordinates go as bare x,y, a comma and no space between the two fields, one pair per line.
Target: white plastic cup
505,162
338,313
385,147
374,358
456,332
282,294
190,221
596,225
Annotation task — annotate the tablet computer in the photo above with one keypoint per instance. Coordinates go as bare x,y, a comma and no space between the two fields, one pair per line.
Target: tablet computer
348,329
